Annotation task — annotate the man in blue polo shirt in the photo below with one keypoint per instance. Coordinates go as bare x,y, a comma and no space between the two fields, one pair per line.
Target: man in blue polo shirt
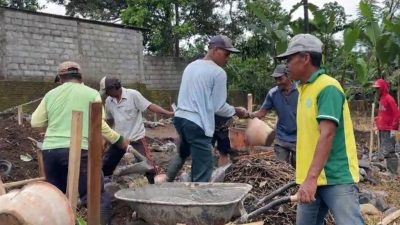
283,99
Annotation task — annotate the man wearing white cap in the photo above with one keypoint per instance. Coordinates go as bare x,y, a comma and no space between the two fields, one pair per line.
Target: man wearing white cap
326,159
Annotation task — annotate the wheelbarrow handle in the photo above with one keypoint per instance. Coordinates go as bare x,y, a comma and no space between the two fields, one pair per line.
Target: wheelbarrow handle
257,212
275,193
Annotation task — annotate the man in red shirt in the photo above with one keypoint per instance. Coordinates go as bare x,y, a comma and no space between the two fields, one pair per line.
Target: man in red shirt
387,123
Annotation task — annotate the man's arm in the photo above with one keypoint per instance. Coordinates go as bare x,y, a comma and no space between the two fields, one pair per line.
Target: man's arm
108,133
219,95
259,113
327,129
39,116
158,109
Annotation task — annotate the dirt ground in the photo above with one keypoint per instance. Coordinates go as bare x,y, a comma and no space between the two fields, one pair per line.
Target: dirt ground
14,142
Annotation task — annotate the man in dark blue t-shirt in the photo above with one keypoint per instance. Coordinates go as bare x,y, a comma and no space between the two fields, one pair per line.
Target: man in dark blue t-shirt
283,99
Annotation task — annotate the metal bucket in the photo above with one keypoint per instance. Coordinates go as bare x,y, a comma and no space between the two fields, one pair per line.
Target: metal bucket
38,203
188,203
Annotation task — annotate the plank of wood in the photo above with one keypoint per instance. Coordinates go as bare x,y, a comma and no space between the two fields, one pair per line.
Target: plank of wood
74,158
371,138
41,163
22,182
249,102
2,188
20,115
253,223
390,218
94,163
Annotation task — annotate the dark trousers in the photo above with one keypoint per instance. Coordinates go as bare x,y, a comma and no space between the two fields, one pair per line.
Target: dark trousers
114,154
194,142
387,147
56,169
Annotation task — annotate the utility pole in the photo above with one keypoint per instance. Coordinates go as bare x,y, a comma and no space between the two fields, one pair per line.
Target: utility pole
306,28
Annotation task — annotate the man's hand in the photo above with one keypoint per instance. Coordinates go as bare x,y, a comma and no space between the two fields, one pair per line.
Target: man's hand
241,112
124,144
307,190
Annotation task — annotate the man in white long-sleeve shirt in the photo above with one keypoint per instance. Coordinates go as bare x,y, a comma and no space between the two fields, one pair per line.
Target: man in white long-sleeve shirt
202,95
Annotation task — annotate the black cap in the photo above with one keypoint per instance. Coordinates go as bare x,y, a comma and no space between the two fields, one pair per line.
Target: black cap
279,71
222,41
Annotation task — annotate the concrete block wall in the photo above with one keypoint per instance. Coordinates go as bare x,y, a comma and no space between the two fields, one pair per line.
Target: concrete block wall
163,72
33,44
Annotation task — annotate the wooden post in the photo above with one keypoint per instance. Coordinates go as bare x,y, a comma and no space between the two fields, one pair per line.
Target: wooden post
2,188
250,103
94,163
74,158
371,139
20,115
40,162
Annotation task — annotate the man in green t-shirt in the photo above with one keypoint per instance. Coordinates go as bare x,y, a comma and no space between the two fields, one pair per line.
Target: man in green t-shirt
327,164
55,113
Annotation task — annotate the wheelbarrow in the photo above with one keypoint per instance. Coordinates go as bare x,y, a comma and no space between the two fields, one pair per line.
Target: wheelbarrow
187,203
196,203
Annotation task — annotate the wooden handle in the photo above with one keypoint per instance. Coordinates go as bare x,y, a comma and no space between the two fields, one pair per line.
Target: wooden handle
371,139
74,161
250,103
22,182
94,163
293,198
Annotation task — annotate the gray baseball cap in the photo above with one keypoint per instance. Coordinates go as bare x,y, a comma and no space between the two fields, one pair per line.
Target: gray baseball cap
279,71
222,41
302,43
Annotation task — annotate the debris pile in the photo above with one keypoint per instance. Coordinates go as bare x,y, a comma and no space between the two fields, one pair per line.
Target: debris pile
265,175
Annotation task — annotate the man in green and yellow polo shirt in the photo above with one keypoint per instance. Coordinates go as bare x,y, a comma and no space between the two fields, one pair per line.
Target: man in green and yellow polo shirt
327,165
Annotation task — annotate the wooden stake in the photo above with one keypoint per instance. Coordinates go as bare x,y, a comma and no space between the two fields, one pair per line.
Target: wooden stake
390,218
2,188
94,164
20,115
40,162
74,158
22,182
250,103
371,139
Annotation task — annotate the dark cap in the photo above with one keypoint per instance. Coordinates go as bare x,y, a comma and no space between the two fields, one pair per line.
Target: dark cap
222,41
108,82
279,71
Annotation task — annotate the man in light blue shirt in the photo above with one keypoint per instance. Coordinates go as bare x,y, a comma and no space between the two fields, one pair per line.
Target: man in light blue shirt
202,95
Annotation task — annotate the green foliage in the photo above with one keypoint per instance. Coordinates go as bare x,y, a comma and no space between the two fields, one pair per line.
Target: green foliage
32,5
251,75
105,10
81,221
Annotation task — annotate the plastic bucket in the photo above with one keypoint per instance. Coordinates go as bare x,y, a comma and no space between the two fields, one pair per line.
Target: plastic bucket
38,203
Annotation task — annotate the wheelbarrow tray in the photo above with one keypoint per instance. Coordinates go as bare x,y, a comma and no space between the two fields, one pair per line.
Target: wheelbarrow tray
187,203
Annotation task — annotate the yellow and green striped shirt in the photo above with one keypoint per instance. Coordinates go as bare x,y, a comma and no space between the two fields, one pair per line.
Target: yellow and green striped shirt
322,98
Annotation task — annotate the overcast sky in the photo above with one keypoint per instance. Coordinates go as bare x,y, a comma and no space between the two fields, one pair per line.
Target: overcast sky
350,6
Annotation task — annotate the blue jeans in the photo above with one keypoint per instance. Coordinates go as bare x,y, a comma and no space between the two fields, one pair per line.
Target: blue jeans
342,200
194,142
